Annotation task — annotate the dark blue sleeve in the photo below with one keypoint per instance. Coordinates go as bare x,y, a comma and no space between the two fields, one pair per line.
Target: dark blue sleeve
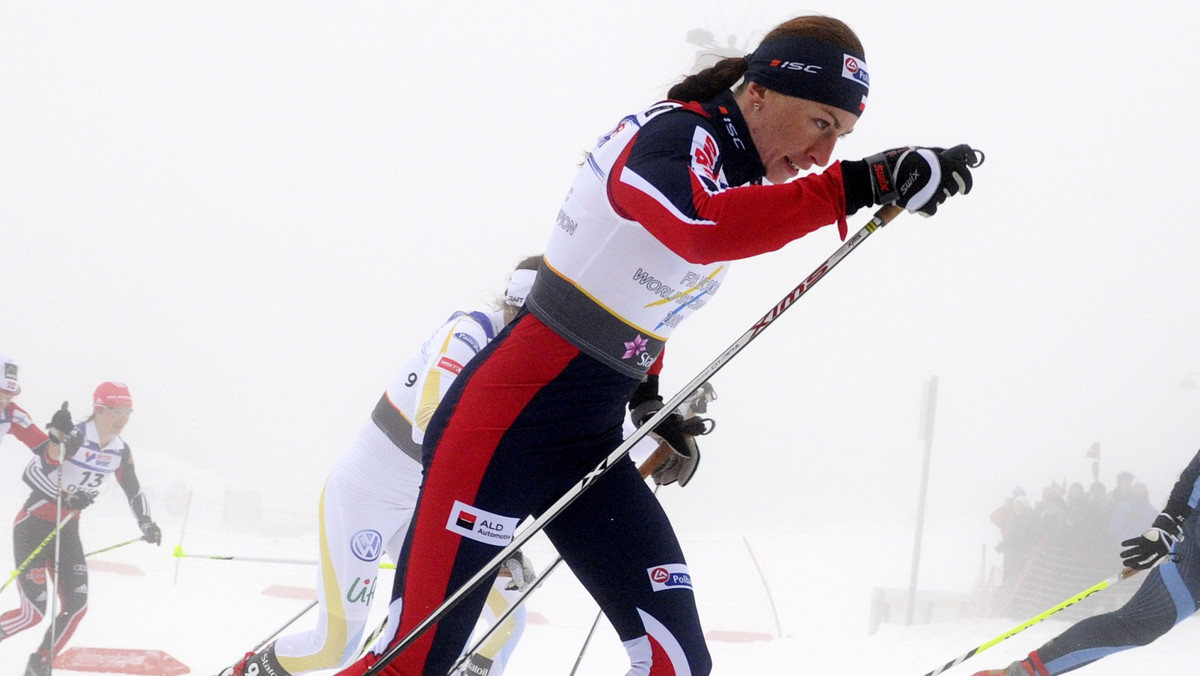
661,153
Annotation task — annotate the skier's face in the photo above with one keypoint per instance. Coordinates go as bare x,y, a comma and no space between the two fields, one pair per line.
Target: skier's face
793,134
5,397
111,420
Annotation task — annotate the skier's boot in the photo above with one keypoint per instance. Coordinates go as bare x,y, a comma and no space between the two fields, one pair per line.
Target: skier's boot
1030,666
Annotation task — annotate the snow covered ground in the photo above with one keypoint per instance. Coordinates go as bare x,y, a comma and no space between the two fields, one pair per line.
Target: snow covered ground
205,613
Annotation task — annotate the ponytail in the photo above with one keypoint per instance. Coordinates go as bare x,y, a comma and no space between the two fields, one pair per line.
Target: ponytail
711,81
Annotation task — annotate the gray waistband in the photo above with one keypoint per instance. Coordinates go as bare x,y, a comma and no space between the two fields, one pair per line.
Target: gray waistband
590,327
396,427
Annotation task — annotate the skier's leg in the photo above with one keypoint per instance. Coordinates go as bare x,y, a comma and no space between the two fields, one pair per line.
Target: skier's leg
1169,595
71,585
364,512
28,532
620,544
493,654
510,436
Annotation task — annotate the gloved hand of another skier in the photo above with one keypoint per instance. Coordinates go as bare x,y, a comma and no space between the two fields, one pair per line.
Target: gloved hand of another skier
60,426
520,570
77,499
1146,549
150,532
919,179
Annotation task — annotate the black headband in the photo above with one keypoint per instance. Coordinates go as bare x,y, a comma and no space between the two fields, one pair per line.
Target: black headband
811,69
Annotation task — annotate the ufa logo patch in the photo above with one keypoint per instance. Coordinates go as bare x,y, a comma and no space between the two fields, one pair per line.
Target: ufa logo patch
670,576
481,526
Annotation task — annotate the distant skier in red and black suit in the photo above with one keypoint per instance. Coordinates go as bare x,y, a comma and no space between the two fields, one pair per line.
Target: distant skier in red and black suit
65,477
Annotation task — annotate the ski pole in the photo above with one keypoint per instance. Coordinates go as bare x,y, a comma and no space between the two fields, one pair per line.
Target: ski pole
371,638
586,642
505,615
33,555
881,218
180,554
112,547
1099,586
58,595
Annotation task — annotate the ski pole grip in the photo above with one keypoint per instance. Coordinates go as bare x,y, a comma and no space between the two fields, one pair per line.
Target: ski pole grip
887,212
658,457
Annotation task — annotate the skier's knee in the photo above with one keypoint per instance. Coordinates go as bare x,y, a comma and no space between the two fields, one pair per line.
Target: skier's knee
1144,630
644,658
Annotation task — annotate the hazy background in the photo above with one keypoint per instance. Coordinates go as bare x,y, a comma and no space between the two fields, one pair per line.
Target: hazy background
252,212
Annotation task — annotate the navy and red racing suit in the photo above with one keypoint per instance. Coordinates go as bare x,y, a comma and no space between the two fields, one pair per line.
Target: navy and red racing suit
640,243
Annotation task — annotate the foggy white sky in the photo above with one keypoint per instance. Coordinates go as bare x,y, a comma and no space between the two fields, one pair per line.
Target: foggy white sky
252,212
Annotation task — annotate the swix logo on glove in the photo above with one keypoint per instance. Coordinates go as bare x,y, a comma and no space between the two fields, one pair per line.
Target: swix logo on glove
912,178
481,526
670,576
881,177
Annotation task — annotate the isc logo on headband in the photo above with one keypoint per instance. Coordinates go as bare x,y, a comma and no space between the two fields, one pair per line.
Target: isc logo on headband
853,69
795,65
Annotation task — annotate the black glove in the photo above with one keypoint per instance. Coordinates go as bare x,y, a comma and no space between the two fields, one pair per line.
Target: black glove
150,532
1146,549
679,433
919,179
60,425
77,499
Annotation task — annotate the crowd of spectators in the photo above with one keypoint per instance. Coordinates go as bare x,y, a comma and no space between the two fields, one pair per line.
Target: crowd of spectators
1070,537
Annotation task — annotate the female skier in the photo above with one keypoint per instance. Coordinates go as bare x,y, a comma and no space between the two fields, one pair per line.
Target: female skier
60,491
660,204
